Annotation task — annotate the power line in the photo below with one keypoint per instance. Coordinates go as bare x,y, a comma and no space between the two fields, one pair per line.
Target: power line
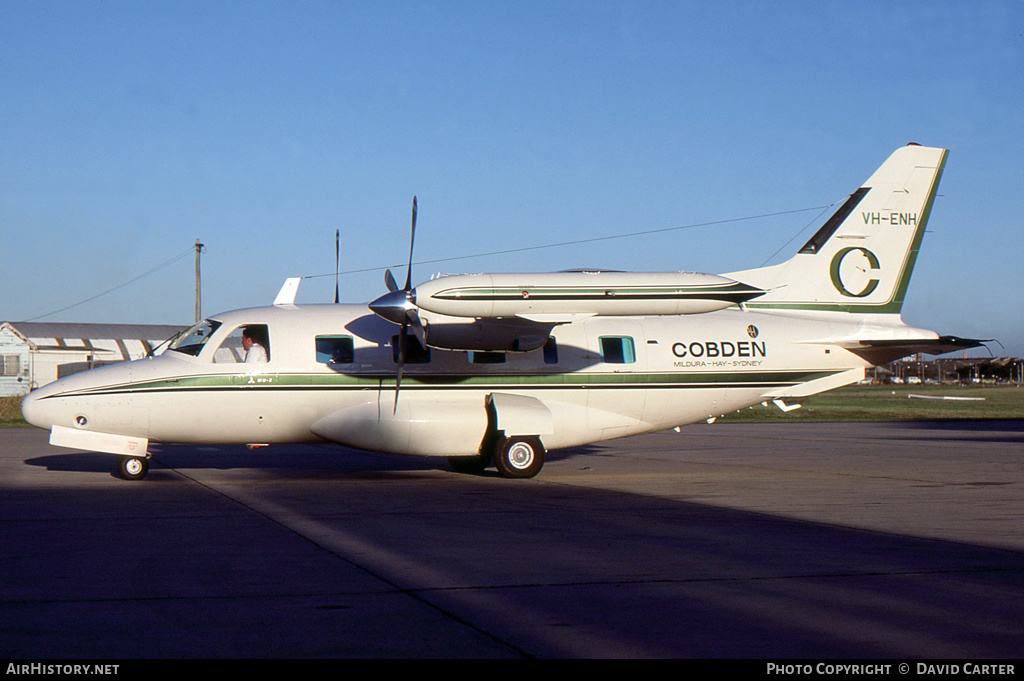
176,258
595,239
793,238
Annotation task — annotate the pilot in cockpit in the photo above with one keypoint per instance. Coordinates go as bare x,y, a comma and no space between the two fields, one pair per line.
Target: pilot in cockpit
254,346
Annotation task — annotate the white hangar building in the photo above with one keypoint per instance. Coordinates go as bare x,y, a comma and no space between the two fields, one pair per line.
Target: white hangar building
35,353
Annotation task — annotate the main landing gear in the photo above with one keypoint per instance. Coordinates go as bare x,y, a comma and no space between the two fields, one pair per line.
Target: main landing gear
514,457
132,467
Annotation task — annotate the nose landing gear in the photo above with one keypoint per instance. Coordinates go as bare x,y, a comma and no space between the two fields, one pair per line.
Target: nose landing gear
132,467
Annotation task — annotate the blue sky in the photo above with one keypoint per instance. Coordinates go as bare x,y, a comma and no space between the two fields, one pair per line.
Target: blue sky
128,130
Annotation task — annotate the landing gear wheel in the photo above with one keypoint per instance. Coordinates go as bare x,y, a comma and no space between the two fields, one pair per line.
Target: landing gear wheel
470,464
132,467
519,457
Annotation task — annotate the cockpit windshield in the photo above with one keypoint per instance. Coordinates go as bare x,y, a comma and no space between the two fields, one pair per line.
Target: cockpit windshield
193,340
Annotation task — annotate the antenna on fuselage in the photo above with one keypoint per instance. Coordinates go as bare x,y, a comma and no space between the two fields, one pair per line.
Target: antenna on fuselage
337,260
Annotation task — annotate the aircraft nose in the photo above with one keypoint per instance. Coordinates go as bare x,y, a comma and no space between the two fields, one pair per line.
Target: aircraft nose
35,410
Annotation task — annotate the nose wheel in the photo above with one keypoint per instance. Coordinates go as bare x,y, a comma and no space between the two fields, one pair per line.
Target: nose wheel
132,467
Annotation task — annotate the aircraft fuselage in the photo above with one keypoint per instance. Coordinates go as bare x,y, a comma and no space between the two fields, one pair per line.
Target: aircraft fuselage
600,378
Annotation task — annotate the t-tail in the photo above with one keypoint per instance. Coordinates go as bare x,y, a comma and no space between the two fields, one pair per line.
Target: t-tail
862,257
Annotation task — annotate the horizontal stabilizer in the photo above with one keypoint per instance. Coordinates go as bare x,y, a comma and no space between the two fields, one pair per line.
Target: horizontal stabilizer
884,338
883,351
937,346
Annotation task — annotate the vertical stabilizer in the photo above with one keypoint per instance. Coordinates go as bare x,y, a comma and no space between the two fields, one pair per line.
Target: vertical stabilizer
862,257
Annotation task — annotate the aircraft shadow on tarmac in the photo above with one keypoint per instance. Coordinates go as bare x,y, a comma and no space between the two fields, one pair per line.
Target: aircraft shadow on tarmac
346,460
302,459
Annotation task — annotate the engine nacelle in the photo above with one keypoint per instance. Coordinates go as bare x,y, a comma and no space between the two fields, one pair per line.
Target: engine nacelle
415,426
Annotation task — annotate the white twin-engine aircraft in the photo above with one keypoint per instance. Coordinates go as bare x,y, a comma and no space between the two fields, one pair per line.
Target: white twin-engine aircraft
502,367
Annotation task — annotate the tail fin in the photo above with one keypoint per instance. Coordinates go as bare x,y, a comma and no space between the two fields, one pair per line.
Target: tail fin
861,258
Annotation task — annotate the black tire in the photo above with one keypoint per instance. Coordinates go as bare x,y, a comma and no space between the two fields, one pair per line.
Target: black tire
132,467
470,464
519,457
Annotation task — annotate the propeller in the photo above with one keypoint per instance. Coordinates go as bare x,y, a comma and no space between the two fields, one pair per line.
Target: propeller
337,261
399,306
412,242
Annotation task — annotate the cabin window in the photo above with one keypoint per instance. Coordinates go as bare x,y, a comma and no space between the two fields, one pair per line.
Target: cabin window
192,341
335,349
617,349
414,352
476,357
551,351
232,349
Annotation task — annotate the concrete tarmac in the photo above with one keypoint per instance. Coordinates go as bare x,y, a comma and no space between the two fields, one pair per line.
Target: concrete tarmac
775,542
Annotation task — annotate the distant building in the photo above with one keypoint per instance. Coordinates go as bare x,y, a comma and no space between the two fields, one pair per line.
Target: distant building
35,353
952,370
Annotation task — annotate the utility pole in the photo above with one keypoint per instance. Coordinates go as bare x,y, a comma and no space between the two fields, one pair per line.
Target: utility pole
199,294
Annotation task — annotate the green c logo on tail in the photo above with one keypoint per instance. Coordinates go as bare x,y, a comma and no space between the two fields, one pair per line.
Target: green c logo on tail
834,272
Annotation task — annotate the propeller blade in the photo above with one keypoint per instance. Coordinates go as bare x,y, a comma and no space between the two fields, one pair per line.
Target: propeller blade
402,346
417,326
398,306
337,261
412,241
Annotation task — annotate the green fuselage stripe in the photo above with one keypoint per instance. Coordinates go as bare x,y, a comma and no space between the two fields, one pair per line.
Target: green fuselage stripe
317,382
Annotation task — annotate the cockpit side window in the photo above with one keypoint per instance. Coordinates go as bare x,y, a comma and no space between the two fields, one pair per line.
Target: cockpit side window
192,341
249,343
